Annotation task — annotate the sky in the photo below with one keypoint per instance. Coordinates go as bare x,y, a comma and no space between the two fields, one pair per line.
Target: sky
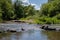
36,3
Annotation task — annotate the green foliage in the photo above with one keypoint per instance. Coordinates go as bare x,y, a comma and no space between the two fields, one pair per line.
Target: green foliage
7,11
47,20
18,9
51,9
50,0
0,14
58,16
29,10
48,14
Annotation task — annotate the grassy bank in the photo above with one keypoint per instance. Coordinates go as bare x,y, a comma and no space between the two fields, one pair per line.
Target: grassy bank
42,20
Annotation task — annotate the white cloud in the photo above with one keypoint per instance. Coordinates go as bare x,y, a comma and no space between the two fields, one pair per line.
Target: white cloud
26,2
37,7
33,4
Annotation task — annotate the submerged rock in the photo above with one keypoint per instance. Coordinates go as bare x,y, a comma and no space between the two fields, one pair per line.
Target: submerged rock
12,31
22,29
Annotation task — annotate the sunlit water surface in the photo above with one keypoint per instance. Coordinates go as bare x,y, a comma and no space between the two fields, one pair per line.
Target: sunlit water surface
31,34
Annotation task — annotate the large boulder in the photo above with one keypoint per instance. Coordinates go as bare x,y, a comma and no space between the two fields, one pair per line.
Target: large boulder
46,27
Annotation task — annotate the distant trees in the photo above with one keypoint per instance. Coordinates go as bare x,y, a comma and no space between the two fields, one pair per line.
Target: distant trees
10,11
50,0
51,9
6,8
0,14
29,10
18,9
48,13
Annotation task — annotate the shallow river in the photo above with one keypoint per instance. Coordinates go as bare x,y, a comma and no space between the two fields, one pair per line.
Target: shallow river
33,34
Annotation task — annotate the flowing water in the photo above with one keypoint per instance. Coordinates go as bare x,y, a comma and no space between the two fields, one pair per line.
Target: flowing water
33,33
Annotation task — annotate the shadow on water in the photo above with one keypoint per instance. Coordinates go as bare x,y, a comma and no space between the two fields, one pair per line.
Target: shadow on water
52,35
4,35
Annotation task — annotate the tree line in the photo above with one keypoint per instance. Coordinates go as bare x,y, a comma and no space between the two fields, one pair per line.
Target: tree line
14,10
49,12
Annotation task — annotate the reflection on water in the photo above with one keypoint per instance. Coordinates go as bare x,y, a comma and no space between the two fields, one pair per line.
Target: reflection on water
52,35
31,35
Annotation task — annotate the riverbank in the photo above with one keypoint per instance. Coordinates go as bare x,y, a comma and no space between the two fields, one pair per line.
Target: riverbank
18,21
18,27
50,27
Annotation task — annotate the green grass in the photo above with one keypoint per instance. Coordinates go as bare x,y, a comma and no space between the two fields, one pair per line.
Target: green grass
43,20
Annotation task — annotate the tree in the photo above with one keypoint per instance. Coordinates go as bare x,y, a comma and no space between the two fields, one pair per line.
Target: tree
7,10
51,9
18,9
50,0
29,10
0,13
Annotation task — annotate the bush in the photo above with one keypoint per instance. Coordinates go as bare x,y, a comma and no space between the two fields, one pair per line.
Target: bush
48,20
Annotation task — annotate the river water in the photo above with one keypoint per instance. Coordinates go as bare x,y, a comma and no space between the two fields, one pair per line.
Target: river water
34,33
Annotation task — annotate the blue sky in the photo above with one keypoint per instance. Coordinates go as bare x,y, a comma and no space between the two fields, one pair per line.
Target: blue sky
36,3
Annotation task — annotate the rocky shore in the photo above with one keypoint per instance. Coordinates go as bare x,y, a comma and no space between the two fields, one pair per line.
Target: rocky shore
51,27
20,27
